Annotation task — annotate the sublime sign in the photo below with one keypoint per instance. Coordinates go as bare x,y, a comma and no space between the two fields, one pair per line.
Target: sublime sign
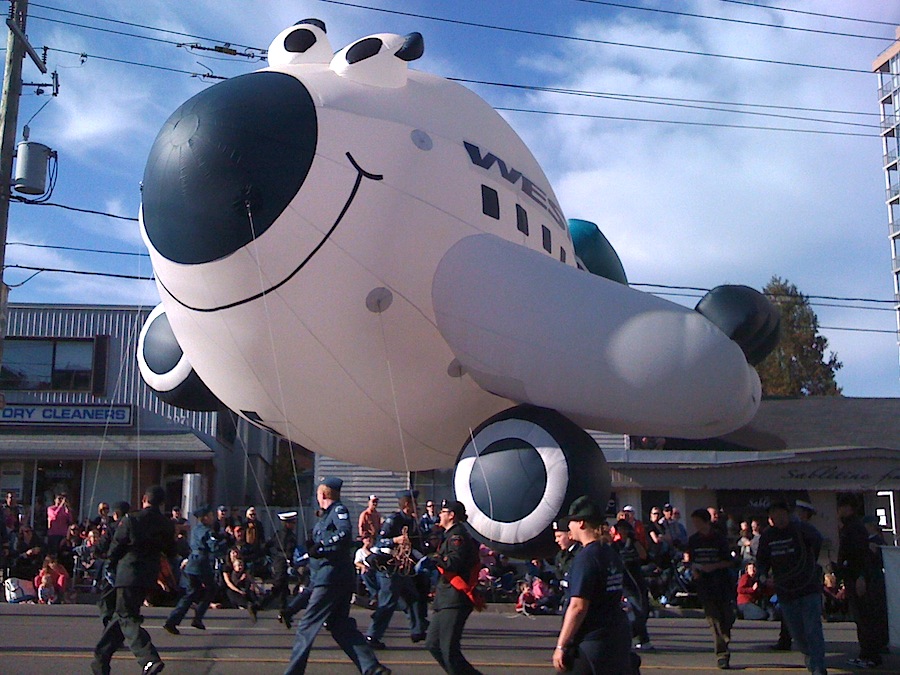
66,414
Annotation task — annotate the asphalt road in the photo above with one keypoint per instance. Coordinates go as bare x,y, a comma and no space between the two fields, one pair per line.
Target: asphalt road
44,640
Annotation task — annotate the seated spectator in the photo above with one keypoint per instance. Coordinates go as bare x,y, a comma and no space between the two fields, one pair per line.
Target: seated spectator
526,603
89,559
367,582
245,550
752,596
836,606
67,548
504,573
241,589
59,576
546,601
46,592
101,521
26,554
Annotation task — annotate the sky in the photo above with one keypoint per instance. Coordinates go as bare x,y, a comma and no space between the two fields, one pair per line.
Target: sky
713,150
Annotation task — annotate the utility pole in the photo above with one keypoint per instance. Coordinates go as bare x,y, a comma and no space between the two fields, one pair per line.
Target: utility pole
16,48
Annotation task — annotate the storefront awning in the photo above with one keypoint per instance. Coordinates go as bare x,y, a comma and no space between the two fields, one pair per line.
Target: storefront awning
166,446
845,469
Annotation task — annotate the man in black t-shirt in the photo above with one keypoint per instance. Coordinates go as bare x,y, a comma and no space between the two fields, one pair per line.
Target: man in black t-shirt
788,552
595,637
710,558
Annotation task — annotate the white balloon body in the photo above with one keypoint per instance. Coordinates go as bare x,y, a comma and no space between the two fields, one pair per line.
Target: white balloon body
403,173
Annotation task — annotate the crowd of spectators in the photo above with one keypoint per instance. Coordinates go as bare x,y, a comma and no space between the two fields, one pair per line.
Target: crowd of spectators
59,552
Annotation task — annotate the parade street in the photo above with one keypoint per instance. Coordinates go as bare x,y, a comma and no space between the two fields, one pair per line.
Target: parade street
40,639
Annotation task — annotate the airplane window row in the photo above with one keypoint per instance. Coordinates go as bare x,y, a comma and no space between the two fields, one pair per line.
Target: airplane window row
490,206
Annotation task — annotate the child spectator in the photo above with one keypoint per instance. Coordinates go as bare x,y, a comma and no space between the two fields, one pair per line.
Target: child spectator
526,603
47,594
59,577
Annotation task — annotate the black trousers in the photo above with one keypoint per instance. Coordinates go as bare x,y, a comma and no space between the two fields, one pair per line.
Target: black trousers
870,614
607,655
125,626
444,637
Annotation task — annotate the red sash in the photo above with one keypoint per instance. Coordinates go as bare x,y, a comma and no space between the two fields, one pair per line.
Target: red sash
467,587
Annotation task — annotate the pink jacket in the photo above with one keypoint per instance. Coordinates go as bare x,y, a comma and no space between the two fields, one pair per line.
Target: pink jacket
58,520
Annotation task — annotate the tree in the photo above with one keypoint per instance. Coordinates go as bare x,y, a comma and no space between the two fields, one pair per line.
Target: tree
797,366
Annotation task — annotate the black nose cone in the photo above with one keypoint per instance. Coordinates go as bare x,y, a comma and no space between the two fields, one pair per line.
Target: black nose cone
246,141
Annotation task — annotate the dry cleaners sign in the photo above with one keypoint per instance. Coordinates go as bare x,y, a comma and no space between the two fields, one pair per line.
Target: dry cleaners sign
43,414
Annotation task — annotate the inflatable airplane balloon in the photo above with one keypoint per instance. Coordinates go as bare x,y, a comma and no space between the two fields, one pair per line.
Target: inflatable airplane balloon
367,260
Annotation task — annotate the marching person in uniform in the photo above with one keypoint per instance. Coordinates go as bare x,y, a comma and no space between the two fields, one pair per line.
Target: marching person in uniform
568,548
458,563
140,541
595,635
332,578
107,584
200,569
395,585
281,549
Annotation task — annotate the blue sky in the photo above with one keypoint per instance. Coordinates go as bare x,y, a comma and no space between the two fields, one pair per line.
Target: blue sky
692,203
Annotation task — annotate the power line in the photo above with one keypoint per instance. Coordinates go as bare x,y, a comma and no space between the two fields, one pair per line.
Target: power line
807,13
112,275
138,25
72,208
103,30
227,50
670,102
859,330
774,295
575,38
720,125
641,97
740,21
85,55
77,248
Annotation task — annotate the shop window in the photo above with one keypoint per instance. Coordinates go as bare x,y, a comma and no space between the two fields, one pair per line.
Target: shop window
47,364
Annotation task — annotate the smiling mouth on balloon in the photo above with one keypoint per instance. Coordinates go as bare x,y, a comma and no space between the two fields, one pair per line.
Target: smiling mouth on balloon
360,174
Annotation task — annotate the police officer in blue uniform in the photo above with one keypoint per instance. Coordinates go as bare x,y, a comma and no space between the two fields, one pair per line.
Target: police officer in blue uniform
200,570
398,587
332,577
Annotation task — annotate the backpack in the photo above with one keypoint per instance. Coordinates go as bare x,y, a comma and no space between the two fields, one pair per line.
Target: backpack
18,590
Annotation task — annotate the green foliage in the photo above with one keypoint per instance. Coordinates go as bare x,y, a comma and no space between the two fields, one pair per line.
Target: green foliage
797,366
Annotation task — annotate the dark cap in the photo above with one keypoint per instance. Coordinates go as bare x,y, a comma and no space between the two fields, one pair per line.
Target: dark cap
407,494
458,508
222,507
667,507
560,526
202,510
332,482
584,508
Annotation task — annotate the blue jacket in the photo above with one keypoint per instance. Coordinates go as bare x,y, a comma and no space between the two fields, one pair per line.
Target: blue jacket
331,561
204,550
